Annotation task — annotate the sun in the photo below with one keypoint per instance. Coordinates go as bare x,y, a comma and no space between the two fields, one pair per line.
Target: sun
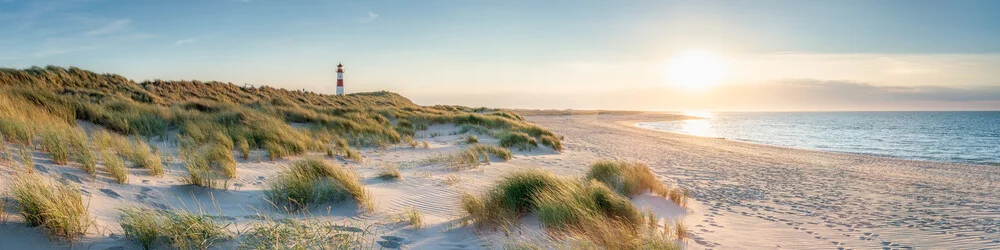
697,69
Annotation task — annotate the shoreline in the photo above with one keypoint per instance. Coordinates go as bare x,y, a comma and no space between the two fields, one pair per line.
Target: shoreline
635,123
800,198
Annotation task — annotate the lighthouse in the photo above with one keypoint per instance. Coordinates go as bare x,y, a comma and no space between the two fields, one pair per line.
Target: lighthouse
340,79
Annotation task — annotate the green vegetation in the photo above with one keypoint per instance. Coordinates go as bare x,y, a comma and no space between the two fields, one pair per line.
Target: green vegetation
471,139
306,234
80,150
472,156
181,230
54,206
55,142
115,166
143,156
585,210
312,181
631,178
141,226
521,140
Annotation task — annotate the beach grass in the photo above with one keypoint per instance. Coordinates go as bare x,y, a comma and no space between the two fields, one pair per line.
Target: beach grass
144,157
471,139
115,166
56,143
586,210
292,233
57,207
310,181
80,149
389,172
141,226
186,230
627,178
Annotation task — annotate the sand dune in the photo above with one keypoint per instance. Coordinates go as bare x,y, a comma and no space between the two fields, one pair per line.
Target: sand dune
745,196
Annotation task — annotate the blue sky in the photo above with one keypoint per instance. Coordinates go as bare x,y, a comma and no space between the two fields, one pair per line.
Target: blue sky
533,54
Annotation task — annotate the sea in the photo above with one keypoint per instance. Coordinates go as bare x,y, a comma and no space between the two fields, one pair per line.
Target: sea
956,137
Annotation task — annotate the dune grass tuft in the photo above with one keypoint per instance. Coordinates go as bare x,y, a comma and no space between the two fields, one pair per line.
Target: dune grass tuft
27,158
521,140
186,230
54,206
143,156
414,217
306,234
389,172
141,226
55,142
115,166
471,139
311,181
244,148
631,178
585,210
81,151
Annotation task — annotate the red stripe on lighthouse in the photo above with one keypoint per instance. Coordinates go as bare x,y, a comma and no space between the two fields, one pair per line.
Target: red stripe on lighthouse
340,82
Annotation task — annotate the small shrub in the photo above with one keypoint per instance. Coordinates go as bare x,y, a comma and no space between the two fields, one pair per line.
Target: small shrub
389,172
56,207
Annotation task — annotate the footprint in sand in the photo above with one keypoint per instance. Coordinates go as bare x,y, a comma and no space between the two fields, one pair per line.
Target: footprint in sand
111,193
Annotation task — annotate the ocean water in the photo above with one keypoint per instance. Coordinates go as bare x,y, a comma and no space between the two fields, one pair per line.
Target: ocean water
959,137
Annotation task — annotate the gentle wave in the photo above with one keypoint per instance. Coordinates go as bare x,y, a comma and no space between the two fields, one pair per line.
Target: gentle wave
958,137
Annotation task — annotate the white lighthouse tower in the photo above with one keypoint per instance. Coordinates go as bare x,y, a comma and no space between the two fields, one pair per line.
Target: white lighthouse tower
340,79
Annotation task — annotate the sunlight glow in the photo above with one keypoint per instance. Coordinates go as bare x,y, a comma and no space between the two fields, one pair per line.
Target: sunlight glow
696,69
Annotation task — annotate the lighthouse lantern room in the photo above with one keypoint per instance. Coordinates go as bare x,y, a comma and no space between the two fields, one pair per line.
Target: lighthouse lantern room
340,79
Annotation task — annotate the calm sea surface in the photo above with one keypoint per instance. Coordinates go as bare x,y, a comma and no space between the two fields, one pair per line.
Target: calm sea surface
961,137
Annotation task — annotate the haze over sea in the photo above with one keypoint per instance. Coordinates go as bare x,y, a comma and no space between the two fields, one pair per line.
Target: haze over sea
959,137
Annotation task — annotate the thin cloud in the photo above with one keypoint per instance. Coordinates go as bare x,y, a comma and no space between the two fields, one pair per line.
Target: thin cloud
53,52
111,27
185,41
371,17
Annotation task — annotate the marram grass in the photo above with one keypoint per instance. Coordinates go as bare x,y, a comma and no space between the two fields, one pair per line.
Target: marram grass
57,207
310,181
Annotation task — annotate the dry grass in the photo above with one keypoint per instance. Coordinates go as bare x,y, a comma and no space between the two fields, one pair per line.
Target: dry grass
143,156
306,234
389,172
56,143
141,226
27,158
588,213
81,151
54,206
471,139
311,181
414,218
115,166
631,178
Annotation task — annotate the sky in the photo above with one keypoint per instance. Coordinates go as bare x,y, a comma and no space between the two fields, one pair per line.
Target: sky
819,55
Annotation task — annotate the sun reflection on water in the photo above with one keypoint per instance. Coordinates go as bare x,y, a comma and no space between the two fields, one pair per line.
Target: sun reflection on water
698,127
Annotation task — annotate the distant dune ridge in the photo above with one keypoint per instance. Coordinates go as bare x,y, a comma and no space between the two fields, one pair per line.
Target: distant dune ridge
87,158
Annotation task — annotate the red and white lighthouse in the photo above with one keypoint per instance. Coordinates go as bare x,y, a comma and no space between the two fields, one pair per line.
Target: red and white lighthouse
340,79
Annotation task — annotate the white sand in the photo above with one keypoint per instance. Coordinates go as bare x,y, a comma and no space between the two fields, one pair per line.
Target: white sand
433,189
746,196
751,196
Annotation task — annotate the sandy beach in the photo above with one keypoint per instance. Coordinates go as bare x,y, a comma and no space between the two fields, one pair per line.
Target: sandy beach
752,196
745,196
